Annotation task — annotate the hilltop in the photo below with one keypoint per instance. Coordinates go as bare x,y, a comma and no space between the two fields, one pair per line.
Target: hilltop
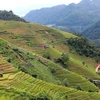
42,63
73,17
9,15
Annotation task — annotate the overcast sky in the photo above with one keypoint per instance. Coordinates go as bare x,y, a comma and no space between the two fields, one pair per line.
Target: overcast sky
21,7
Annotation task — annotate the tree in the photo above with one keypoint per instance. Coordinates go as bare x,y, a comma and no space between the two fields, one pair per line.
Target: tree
65,82
64,58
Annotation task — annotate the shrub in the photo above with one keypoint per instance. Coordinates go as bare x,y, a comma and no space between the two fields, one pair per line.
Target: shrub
34,75
78,87
65,82
46,55
64,58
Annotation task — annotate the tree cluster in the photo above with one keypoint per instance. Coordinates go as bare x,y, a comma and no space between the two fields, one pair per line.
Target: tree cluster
9,15
83,47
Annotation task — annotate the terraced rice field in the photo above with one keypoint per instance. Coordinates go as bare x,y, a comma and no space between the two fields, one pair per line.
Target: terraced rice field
17,85
21,82
25,83
4,66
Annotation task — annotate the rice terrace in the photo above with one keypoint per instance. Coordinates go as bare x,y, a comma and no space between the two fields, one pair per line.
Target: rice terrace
44,63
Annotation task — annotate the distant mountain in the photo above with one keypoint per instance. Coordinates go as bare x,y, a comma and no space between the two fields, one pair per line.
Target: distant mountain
93,33
45,15
9,15
74,17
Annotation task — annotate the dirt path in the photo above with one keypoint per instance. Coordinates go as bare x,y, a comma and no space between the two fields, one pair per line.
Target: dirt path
97,68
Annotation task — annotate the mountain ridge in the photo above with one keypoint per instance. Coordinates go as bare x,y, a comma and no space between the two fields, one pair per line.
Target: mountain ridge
73,17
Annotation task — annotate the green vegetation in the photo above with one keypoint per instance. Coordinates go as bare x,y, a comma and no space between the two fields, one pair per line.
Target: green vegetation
18,85
83,47
37,64
64,58
5,15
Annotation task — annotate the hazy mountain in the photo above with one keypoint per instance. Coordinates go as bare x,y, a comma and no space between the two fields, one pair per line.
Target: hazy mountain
74,17
93,33
44,15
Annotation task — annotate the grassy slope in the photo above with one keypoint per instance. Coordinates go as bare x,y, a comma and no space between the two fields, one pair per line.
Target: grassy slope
42,68
16,85
33,38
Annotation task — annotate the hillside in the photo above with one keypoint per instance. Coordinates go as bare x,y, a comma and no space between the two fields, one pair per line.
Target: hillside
93,33
72,17
9,15
17,85
39,63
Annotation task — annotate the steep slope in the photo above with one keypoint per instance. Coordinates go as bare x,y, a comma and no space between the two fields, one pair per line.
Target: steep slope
42,69
36,51
73,17
25,36
17,85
